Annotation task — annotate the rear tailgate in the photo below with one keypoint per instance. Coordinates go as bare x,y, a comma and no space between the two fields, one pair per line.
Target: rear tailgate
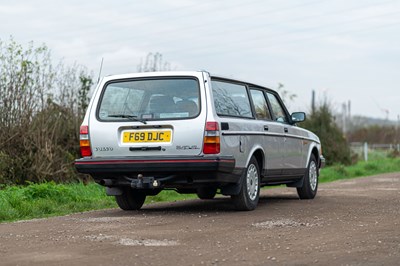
169,107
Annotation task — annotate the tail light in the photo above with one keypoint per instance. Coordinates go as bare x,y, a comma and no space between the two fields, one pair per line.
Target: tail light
211,138
84,141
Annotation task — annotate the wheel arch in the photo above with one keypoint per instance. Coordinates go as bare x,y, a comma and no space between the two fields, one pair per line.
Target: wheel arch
313,151
260,157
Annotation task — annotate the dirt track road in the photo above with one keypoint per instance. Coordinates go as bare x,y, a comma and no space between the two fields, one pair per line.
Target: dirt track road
355,222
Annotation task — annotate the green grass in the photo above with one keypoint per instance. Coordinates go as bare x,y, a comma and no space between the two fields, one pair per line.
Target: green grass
362,168
50,199
169,195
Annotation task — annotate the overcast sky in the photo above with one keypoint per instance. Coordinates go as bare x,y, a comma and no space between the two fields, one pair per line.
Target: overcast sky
344,49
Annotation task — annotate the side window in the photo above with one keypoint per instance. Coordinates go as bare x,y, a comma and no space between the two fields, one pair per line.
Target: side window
277,108
231,99
260,105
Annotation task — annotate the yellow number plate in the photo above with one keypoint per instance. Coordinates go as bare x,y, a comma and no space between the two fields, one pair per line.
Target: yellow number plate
141,136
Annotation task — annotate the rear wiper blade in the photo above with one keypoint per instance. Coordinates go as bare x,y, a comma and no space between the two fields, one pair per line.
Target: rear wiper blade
130,117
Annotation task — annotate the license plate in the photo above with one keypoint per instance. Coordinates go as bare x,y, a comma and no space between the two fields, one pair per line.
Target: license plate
144,136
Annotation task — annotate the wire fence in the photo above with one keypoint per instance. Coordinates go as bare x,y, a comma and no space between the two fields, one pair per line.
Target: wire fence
373,151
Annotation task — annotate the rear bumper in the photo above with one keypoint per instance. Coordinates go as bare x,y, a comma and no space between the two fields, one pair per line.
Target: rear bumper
195,169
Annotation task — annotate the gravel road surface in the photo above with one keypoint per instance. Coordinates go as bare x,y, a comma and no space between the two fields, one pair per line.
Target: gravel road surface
351,222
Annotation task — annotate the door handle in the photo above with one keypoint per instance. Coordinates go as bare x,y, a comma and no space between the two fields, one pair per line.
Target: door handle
286,130
266,128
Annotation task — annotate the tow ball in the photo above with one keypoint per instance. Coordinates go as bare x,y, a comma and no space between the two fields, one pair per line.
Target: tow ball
145,182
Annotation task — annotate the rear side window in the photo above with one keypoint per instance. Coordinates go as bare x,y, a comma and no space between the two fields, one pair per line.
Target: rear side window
150,99
231,99
260,105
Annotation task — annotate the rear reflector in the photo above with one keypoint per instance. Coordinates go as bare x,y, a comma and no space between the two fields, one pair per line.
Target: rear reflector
86,151
211,138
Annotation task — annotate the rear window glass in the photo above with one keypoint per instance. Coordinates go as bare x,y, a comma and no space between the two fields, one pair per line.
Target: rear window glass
231,99
150,99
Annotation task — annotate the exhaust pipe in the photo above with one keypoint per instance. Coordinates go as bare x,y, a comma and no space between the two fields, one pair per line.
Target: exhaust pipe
106,182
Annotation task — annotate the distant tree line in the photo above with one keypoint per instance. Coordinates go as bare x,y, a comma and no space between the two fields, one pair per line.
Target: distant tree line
41,108
376,135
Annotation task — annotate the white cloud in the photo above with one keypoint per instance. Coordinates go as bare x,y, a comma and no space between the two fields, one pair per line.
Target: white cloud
14,9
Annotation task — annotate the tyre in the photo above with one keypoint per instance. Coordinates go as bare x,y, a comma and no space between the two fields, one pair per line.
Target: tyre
249,194
310,183
206,192
131,199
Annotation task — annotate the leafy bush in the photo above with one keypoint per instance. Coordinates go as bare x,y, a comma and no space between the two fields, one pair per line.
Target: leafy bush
334,145
394,154
41,108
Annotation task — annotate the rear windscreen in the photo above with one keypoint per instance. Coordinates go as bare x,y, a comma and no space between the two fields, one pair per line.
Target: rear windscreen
150,99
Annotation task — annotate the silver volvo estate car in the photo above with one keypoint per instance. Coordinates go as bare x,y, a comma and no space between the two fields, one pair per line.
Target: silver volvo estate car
194,133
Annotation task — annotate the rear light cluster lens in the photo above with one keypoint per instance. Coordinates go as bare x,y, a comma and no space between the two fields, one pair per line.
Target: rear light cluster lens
84,141
211,138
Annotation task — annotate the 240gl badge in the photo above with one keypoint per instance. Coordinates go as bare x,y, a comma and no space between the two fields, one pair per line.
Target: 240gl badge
187,147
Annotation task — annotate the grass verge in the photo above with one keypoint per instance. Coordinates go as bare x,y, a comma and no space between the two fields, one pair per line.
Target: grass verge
50,199
362,168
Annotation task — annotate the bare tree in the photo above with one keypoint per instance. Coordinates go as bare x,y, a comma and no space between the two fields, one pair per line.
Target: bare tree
286,95
153,62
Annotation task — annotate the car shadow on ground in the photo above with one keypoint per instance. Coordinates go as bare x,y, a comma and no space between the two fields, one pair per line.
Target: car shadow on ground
196,206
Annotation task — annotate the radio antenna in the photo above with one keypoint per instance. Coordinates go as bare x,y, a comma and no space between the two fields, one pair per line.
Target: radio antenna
101,67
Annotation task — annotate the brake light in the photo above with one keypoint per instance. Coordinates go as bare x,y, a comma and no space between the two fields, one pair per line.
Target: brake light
211,138
84,141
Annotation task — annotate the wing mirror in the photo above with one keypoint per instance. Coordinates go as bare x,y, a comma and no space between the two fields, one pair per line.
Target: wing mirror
298,117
